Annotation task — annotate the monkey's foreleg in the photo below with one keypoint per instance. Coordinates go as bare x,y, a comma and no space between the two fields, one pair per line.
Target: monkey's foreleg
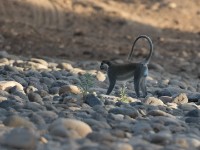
111,86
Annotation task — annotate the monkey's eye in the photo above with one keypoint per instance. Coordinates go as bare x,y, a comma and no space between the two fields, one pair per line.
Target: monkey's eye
102,67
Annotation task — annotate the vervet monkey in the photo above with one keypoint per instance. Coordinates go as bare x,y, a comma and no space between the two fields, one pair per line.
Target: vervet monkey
123,72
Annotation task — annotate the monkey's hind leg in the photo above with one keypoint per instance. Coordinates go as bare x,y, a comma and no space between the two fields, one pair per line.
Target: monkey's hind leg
143,87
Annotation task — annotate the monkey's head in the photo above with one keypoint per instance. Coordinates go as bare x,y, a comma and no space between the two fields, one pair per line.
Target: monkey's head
104,65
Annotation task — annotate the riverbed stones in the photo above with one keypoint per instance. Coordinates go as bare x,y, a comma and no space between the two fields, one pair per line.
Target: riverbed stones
42,107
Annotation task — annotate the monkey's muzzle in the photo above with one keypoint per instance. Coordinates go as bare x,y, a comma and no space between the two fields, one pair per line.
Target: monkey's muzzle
102,67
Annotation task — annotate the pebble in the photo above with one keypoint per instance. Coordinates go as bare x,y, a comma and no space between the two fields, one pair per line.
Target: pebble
69,89
35,97
166,99
6,85
35,65
65,66
154,101
20,138
121,146
188,107
39,61
2,98
101,137
100,76
9,104
124,111
160,138
81,128
170,91
193,97
37,119
20,80
48,116
92,100
180,99
179,84
141,128
156,67
17,121
193,113
193,120
159,113
34,106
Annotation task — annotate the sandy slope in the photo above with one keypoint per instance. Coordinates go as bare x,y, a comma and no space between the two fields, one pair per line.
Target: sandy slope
99,29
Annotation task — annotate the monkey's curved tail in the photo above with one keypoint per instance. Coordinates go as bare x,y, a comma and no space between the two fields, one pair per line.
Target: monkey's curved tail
146,61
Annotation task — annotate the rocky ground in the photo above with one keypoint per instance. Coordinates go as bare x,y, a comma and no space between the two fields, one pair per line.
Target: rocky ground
52,93
42,107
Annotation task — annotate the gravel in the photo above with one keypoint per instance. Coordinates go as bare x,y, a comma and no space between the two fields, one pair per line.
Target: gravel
42,106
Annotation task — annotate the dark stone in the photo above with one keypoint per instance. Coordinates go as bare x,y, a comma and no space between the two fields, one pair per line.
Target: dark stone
54,90
124,111
16,92
193,113
119,103
192,120
92,100
170,91
7,103
109,102
193,97
136,103
35,97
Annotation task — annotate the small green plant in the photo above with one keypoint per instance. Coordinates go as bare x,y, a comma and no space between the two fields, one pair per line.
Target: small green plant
86,83
123,95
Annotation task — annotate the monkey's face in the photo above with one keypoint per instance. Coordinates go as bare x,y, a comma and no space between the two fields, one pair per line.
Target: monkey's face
103,67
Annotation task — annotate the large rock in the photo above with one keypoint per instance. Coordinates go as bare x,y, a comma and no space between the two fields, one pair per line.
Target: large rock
20,138
35,97
100,76
154,101
124,111
39,61
193,113
65,66
48,116
92,100
17,121
81,128
69,89
6,85
170,91
180,99
193,97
